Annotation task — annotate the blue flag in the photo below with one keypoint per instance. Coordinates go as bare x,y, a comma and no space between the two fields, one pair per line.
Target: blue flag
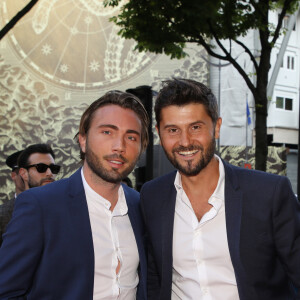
248,114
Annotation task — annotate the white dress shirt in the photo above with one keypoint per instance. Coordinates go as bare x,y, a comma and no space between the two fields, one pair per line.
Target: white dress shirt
114,241
202,267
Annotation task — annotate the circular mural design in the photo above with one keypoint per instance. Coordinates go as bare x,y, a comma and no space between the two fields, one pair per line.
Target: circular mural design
73,44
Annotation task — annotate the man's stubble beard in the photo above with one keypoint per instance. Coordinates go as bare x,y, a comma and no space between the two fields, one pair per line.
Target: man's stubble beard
189,170
97,167
32,184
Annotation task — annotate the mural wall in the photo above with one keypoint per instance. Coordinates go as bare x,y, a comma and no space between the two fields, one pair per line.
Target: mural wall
58,59
241,155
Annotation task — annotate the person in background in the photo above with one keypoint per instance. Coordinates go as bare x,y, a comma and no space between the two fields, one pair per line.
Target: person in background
82,237
37,165
12,162
6,209
31,167
215,231
127,181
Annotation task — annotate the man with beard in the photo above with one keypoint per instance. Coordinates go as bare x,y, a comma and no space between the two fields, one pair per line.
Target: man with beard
215,231
37,166
31,167
82,237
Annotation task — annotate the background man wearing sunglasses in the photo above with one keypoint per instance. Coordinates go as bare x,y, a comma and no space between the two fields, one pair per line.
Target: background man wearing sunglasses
31,167
37,166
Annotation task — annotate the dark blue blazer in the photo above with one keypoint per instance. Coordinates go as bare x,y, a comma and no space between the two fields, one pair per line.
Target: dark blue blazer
47,250
263,232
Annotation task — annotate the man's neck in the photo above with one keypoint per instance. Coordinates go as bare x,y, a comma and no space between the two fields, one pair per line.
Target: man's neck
200,187
205,181
106,189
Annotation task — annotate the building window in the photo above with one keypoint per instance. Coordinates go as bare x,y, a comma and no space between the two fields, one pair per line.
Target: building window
288,104
284,103
290,64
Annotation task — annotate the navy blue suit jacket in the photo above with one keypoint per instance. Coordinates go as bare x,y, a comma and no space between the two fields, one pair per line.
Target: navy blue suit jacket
263,232
47,250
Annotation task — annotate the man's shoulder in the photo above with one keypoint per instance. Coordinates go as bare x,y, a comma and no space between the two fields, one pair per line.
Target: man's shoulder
160,182
248,177
131,194
54,189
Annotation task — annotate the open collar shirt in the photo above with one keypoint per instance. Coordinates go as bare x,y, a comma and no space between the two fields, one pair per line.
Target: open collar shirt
202,267
114,241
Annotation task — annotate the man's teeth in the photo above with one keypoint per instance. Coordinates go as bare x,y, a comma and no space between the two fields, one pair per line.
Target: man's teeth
116,162
185,153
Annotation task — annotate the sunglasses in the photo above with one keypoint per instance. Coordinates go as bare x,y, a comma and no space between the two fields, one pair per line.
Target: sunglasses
42,168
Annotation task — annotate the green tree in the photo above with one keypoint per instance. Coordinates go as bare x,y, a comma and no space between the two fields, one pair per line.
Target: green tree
166,26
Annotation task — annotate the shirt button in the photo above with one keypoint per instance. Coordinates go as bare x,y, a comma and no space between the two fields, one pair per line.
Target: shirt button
197,232
204,291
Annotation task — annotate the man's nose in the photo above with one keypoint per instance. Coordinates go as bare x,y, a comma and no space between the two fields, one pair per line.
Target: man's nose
119,144
184,139
49,172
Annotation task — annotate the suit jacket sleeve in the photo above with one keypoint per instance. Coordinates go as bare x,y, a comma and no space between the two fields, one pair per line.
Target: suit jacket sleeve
21,248
286,222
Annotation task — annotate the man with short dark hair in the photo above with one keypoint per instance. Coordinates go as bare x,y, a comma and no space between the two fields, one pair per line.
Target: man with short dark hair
31,167
82,237
215,231
37,166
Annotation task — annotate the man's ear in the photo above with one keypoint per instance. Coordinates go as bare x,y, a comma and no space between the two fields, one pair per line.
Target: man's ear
24,174
218,128
82,142
13,175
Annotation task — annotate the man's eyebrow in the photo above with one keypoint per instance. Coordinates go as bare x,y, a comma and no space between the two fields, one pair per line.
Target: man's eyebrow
133,131
109,126
117,128
197,122
169,126
191,124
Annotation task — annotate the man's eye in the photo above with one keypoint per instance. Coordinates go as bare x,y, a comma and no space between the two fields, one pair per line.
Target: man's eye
106,131
132,138
173,130
195,127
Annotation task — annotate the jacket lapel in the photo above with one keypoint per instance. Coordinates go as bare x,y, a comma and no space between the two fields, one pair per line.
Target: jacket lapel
134,214
233,212
135,220
168,198
80,220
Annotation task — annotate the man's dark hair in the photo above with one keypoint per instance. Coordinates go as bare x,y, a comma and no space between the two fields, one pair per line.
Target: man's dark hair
122,99
179,92
36,148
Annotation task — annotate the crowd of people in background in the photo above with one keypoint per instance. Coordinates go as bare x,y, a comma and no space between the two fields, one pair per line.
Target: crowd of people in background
207,230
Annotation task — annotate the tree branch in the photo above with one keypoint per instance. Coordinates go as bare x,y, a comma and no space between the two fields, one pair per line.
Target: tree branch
284,10
16,18
247,50
228,58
